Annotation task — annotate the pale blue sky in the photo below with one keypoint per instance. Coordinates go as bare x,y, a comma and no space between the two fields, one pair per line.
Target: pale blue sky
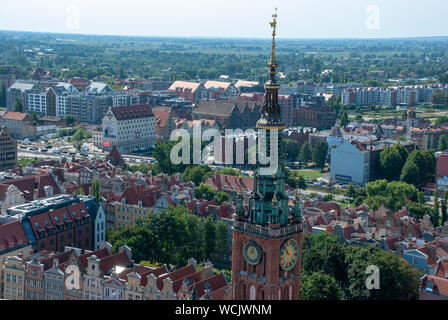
230,18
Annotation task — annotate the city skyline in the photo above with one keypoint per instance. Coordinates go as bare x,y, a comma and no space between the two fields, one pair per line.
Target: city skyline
203,19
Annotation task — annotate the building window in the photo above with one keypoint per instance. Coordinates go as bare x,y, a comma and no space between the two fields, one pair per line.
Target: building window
414,261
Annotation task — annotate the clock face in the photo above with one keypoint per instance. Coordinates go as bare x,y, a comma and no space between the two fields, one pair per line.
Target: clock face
289,254
252,252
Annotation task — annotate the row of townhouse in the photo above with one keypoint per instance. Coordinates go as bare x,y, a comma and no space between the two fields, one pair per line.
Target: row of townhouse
390,96
103,275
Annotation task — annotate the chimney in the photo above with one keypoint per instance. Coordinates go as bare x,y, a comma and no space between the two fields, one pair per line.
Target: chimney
55,262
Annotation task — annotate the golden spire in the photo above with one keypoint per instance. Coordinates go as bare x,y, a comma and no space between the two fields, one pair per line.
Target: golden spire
273,60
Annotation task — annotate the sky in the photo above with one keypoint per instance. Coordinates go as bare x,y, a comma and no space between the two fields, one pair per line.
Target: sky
229,18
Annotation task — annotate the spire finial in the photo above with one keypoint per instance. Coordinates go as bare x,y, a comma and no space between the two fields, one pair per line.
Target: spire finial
273,60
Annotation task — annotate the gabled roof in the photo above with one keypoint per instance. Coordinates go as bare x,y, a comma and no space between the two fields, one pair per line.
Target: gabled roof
118,259
12,235
211,284
212,107
193,86
176,275
217,84
440,285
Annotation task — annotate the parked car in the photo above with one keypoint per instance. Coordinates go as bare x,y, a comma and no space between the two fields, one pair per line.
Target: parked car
43,150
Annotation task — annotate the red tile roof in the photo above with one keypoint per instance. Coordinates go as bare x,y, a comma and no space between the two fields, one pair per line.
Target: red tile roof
176,275
440,285
118,259
15,115
213,283
222,182
12,235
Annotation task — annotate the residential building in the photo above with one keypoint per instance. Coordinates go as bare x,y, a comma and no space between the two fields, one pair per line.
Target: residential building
34,280
350,163
190,91
164,123
20,90
20,125
134,204
56,222
130,129
219,89
13,242
8,150
13,278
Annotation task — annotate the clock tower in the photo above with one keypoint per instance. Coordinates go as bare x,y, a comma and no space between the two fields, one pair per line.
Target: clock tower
267,238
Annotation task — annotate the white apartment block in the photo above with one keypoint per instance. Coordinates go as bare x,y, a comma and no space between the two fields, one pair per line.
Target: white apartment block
129,128
391,96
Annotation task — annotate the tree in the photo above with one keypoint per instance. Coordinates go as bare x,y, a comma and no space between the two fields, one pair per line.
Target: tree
70,119
209,237
344,119
391,163
410,173
230,171
205,191
443,143
350,191
222,197
320,154
33,114
196,174
291,148
393,194
439,98
222,233
305,153
301,184
320,286
426,163
96,189
18,106
398,280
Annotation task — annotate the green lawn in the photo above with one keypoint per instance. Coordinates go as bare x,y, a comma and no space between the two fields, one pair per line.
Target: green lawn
309,174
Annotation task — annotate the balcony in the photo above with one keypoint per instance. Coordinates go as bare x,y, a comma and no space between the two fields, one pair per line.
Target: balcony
266,231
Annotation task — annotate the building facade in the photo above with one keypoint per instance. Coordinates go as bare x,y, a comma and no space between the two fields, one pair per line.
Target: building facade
130,128
8,150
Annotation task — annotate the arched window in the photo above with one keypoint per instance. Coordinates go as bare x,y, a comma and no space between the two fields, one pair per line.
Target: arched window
252,292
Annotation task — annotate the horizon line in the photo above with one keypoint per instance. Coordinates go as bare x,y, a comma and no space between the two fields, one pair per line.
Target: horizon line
229,38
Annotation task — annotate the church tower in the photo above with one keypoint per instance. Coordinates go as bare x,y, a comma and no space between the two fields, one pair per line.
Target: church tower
267,238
